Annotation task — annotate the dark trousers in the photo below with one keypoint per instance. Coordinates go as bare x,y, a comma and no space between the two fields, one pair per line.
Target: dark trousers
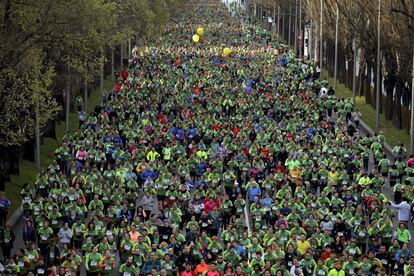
3,216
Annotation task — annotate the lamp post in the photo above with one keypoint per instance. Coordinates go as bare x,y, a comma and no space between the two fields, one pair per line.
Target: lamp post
300,29
278,21
112,64
412,110
101,82
354,47
37,134
321,39
336,46
67,99
290,23
296,28
85,95
378,100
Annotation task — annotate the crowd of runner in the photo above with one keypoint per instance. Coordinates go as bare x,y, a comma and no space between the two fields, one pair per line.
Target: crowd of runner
205,164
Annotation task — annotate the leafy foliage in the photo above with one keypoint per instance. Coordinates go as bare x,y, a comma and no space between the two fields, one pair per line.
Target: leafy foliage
38,37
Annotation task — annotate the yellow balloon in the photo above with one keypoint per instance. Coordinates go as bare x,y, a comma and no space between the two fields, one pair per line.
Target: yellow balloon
200,31
276,52
196,38
226,52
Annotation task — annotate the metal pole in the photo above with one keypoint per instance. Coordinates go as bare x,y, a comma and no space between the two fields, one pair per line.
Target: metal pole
283,25
378,100
67,100
310,40
274,19
121,57
112,64
412,109
296,28
102,73
354,47
85,96
129,47
321,39
37,136
278,22
300,29
290,24
336,46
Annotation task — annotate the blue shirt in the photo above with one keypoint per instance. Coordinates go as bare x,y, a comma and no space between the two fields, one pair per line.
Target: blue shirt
240,250
201,168
266,203
191,133
253,192
179,134
148,173
4,203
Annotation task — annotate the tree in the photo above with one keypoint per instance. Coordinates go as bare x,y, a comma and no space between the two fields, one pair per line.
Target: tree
37,36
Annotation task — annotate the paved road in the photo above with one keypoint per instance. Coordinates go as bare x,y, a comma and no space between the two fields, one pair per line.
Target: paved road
387,190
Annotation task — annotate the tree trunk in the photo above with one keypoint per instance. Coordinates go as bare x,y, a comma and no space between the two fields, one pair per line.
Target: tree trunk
389,88
397,120
13,153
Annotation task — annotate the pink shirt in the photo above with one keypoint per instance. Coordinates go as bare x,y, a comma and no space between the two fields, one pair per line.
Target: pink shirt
410,162
81,154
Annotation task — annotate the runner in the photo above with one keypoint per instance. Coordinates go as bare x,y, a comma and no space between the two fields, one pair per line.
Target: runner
160,180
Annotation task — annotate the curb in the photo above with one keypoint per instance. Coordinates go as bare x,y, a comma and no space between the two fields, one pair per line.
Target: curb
14,219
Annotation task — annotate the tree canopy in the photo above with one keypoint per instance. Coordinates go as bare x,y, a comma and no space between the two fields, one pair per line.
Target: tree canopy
48,42
359,20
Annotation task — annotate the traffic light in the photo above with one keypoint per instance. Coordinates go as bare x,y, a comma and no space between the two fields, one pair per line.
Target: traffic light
306,42
263,14
241,2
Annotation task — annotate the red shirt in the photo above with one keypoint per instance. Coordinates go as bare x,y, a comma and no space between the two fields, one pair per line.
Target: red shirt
209,205
280,168
124,75
410,162
187,273
236,131
213,273
117,87
266,153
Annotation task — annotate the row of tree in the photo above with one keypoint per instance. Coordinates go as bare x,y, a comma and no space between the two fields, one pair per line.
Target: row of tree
48,44
358,19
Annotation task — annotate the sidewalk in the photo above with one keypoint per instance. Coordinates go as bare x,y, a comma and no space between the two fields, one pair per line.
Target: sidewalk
28,171
392,134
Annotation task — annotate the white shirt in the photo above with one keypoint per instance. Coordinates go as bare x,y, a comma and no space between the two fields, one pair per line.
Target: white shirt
327,225
293,273
65,235
404,210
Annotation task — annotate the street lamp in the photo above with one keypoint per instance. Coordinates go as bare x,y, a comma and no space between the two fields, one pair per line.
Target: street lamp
336,46
355,49
412,110
378,100
67,98
321,40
